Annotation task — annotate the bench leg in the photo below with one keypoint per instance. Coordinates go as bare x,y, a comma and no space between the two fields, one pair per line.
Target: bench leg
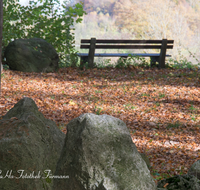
83,61
91,53
163,54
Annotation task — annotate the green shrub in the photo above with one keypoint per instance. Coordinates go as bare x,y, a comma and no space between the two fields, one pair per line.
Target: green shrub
132,60
183,63
5,67
43,22
103,64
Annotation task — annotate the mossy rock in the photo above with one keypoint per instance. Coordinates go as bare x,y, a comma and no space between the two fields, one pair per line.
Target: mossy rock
31,55
180,182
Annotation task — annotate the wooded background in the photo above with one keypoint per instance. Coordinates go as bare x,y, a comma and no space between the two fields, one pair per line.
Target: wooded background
144,19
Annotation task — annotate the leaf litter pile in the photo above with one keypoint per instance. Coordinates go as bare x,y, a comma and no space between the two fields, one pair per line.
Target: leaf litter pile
160,107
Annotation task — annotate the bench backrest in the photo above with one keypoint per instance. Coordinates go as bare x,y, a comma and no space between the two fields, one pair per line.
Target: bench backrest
125,44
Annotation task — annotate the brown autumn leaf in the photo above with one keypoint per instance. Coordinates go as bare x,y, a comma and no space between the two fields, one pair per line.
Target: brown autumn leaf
162,114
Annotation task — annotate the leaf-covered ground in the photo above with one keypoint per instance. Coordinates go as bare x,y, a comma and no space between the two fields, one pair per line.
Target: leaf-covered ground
160,107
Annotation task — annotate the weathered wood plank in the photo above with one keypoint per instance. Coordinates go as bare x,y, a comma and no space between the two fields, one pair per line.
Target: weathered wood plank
121,54
126,41
126,46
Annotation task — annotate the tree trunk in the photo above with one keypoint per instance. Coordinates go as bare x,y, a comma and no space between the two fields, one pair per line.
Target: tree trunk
1,38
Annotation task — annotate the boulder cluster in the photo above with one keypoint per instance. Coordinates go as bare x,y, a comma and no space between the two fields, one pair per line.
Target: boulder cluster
96,153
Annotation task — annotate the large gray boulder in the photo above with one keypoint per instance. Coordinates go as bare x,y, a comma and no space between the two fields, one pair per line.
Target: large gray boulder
31,55
180,182
99,154
195,169
29,142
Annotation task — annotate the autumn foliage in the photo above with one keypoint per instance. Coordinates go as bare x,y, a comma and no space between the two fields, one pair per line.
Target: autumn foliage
145,19
159,107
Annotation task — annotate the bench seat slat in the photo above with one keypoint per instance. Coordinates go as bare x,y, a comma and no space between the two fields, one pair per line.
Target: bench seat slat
121,54
126,46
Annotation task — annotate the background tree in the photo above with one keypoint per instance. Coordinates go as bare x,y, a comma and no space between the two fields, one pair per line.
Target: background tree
42,21
145,19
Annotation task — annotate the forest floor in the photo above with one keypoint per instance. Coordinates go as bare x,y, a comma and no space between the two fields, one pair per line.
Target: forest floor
161,108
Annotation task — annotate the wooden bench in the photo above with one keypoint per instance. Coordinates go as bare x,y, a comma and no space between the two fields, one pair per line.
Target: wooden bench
93,44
